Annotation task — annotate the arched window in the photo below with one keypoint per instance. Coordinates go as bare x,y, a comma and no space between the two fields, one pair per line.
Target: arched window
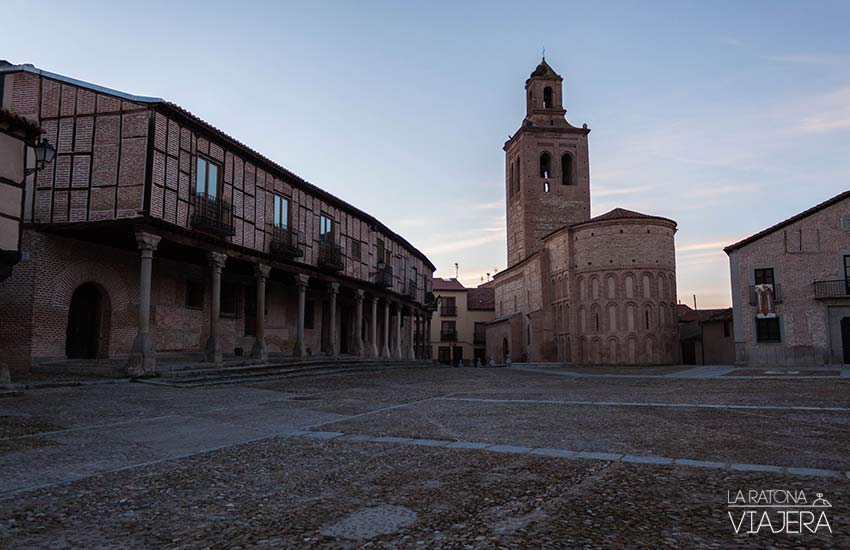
518,174
567,169
545,186
511,181
545,165
547,97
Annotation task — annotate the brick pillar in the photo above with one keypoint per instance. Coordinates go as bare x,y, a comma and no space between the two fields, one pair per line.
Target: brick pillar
212,352
385,351
143,355
333,290
358,324
397,353
373,334
260,351
301,282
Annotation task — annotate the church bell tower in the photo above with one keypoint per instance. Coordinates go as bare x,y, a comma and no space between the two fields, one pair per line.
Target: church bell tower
547,170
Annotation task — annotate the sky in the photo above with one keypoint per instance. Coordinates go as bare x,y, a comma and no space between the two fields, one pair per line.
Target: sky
724,116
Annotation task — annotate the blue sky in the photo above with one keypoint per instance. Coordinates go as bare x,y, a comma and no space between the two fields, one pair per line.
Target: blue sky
725,116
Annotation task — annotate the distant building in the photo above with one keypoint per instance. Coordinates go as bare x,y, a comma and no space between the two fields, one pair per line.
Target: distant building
706,336
577,289
791,289
458,331
154,233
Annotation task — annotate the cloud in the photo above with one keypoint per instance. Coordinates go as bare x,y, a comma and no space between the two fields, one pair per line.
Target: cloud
729,40
728,189
808,58
463,244
602,191
709,245
826,112
488,205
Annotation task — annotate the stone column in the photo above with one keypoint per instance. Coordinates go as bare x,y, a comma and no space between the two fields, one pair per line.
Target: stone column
260,351
358,324
428,347
373,335
143,355
385,351
301,282
333,290
212,353
397,353
411,347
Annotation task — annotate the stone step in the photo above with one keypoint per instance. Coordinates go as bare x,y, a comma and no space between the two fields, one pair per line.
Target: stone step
242,377
201,368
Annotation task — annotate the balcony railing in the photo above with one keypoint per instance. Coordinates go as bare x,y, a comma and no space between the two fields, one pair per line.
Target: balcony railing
448,335
777,294
384,276
212,214
330,256
448,311
410,289
479,338
285,242
429,298
832,289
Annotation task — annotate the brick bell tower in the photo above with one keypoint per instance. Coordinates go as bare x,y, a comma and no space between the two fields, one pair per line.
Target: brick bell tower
547,171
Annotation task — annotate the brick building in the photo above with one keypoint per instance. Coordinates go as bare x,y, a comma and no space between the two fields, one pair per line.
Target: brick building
791,289
577,289
153,232
459,332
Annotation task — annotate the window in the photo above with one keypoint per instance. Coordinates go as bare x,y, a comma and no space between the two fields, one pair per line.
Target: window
382,252
281,211
206,177
545,164
518,174
229,299
326,228
547,97
764,276
545,186
567,169
194,294
511,181
767,330
356,252
309,307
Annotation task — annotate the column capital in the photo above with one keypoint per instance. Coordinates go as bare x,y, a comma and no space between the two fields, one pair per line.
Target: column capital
333,288
261,271
359,294
301,281
147,241
216,260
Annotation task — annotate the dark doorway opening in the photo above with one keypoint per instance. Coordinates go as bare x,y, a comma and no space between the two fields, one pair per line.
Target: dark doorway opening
457,356
689,353
85,317
845,338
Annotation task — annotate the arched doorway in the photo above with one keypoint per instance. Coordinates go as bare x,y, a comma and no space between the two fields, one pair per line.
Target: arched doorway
86,316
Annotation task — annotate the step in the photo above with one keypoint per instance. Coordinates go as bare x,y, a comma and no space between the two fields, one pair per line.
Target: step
202,368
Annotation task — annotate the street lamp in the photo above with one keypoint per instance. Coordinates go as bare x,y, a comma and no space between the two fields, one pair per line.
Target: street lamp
44,153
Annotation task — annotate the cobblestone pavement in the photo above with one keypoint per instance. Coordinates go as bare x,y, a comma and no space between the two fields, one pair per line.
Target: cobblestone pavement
137,466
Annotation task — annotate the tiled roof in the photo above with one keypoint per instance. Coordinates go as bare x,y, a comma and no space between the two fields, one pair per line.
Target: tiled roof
805,213
702,314
438,283
623,214
481,299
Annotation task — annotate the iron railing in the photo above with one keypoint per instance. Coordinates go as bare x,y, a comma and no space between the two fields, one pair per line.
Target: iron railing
777,294
330,256
384,276
284,242
448,335
448,311
410,289
832,289
212,214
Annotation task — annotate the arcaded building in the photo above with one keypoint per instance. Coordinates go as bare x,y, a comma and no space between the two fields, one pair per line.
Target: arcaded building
791,289
577,289
154,233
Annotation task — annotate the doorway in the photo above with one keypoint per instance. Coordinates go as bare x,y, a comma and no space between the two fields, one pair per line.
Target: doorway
457,356
85,319
845,339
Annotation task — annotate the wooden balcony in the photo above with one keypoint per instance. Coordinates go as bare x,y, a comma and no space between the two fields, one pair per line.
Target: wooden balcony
212,215
285,242
410,289
384,277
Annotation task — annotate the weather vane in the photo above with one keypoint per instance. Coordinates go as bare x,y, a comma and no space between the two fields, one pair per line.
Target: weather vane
543,53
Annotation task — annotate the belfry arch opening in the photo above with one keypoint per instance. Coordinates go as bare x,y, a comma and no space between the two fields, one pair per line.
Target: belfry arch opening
547,97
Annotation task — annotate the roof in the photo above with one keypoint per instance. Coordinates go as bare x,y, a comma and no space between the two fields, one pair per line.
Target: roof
481,299
804,214
439,283
18,126
623,214
161,104
701,315
544,70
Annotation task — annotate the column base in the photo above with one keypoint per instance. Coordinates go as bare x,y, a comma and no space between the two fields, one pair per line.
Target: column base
385,353
298,350
260,350
142,361
360,349
212,352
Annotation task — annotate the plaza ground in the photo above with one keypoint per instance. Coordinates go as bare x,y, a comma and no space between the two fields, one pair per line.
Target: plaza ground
425,457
